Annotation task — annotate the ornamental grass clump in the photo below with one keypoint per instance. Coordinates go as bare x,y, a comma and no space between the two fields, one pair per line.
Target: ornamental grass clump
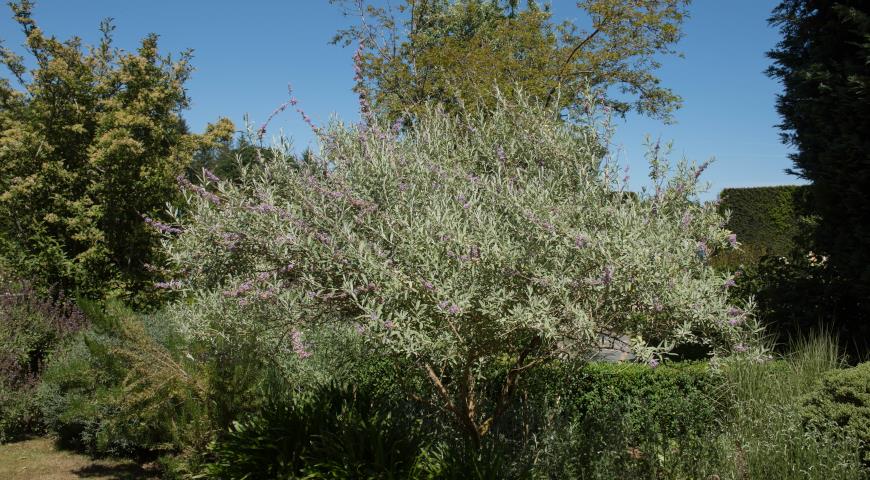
460,242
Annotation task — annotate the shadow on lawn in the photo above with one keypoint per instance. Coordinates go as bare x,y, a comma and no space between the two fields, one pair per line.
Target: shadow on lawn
125,471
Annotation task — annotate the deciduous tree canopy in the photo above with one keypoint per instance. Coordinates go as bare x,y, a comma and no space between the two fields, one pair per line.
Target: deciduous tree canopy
457,51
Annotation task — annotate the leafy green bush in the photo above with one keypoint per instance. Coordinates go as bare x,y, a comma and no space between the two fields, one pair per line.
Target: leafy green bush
793,296
333,432
840,406
122,387
606,418
31,326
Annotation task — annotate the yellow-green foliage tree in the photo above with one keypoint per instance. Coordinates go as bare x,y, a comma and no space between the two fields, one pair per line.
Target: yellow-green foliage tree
91,140
456,51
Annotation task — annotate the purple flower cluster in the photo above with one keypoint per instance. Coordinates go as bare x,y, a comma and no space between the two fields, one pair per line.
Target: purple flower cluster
449,307
580,241
359,79
728,283
499,153
701,168
396,128
242,289
264,208
607,275
161,227
231,240
209,175
199,190
686,220
735,316
464,201
262,130
299,347
170,285
323,238
732,240
703,250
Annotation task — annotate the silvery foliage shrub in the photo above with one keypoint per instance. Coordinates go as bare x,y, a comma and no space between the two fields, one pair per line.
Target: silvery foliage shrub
457,242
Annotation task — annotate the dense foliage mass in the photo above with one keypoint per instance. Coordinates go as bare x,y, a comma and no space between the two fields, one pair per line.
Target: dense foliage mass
31,326
768,220
823,62
840,406
463,241
456,52
91,142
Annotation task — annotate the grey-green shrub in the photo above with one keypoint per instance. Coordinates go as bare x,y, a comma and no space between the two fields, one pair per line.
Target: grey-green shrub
456,242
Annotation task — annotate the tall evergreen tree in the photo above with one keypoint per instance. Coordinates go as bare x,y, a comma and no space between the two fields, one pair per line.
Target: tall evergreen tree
823,62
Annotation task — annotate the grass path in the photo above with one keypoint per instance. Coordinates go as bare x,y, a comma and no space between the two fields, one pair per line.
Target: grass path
40,459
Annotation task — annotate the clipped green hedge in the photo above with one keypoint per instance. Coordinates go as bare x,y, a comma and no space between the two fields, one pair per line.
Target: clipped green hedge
767,220
681,396
643,422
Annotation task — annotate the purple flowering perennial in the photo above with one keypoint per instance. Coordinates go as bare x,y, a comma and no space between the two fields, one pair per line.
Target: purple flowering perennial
210,175
607,275
449,307
202,192
499,153
170,285
161,227
732,240
703,250
298,346
686,220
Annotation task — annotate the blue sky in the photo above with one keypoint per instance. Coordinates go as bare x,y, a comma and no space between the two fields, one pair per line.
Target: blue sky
245,54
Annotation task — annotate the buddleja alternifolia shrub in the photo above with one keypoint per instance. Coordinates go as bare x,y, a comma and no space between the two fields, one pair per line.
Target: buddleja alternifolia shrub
457,242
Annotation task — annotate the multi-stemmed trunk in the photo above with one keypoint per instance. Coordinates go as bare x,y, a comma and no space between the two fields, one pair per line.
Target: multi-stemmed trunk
464,405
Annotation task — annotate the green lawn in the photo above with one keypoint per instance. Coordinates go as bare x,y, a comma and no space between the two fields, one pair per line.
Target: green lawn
40,459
